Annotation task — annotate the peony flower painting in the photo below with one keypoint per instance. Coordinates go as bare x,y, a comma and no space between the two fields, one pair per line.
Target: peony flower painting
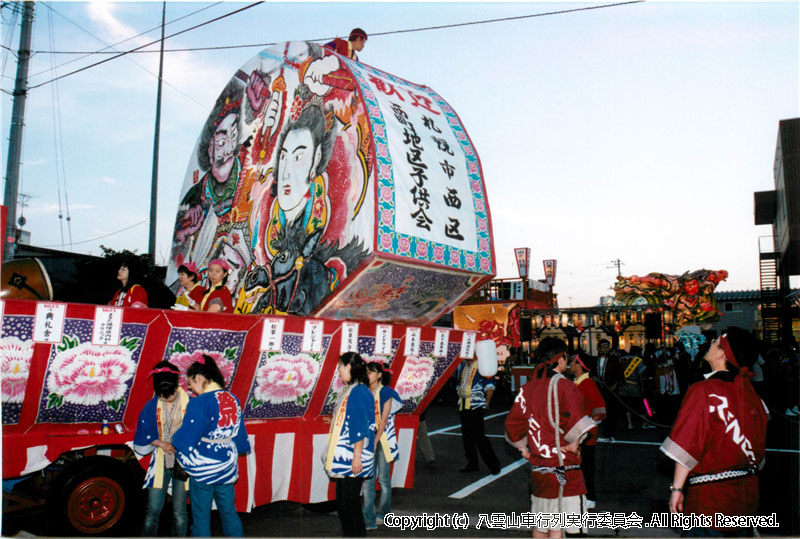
285,378
415,376
88,374
15,362
183,359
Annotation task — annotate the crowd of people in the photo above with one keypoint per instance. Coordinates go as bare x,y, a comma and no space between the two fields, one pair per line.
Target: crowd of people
712,404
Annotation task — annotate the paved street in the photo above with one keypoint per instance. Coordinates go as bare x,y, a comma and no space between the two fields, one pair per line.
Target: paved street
633,476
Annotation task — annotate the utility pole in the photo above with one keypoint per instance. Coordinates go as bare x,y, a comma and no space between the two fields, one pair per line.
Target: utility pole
151,247
15,137
618,263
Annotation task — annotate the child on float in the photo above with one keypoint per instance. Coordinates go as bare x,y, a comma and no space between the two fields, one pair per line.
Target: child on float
349,457
193,292
387,404
159,419
218,298
209,444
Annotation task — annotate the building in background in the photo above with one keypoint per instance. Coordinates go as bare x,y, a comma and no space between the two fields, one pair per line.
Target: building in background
779,254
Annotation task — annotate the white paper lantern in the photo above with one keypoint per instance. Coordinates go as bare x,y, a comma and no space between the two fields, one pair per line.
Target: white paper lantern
487,357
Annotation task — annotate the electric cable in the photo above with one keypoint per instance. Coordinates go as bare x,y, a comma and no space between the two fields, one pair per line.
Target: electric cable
104,235
112,45
148,44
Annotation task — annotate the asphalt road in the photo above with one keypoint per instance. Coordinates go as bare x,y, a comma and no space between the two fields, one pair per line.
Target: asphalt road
632,477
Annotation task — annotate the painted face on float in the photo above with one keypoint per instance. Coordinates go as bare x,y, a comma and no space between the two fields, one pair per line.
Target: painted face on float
222,148
298,159
691,287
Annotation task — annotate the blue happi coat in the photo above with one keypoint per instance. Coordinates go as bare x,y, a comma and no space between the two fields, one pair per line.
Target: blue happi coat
359,424
212,437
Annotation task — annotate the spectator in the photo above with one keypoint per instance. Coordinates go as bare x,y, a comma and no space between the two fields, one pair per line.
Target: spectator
474,396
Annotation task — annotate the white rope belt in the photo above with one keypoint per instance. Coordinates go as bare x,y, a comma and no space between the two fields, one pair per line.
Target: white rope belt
559,471
721,476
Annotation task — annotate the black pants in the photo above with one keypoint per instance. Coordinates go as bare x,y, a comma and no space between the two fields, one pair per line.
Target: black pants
608,427
474,436
348,504
587,467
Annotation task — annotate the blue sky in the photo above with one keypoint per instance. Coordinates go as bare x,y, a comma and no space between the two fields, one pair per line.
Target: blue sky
637,132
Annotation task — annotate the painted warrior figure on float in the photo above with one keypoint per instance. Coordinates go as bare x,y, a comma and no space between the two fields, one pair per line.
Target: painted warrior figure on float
277,184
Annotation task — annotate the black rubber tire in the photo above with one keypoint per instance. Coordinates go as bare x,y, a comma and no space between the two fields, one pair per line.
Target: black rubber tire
96,496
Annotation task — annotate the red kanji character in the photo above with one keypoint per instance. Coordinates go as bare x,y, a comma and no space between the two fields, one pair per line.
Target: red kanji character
381,86
422,101
228,412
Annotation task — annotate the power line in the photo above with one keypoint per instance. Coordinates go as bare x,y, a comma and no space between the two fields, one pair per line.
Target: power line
101,237
147,44
103,50
390,32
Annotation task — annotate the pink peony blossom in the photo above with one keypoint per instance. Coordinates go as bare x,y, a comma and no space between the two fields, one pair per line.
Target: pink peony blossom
469,261
483,245
484,263
386,172
414,378
422,249
15,363
482,226
386,217
455,257
479,204
284,378
386,194
183,360
386,241
89,374
438,254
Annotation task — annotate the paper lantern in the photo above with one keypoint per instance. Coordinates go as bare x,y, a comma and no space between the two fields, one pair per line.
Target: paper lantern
487,357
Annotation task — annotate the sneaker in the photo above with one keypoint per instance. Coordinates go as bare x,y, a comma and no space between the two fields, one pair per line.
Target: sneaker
648,426
796,409
379,521
789,412
591,504
630,427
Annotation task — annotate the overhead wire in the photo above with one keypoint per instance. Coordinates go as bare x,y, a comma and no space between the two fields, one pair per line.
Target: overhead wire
56,146
112,45
140,66
9,36
390,32
124,53
104,235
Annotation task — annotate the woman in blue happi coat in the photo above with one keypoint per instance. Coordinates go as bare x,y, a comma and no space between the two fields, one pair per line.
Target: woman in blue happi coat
209,444
387,404
159,419
351,442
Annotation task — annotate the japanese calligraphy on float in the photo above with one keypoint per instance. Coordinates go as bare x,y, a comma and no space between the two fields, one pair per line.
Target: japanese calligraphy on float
690,296
337,190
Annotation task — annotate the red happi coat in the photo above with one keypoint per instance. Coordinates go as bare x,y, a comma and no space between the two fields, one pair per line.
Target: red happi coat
721,425
135,294
528,424
220,293
593,403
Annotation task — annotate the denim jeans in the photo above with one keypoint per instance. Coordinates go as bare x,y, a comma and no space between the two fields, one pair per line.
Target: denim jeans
202,495
385,501
155,502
